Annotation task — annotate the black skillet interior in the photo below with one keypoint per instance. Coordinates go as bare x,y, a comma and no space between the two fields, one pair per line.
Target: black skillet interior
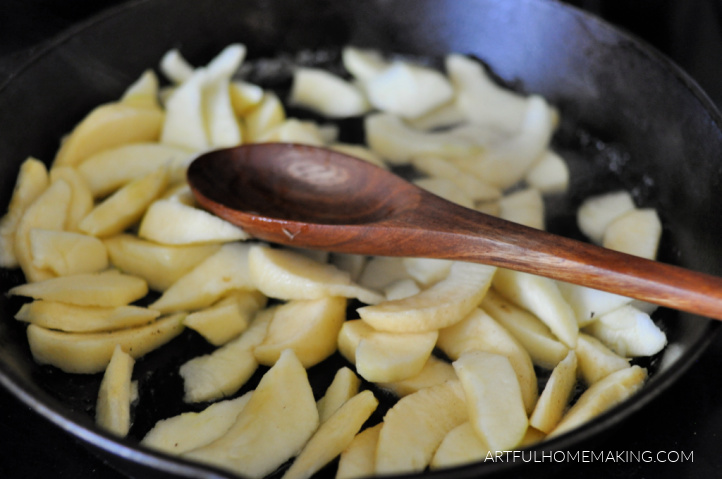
630,119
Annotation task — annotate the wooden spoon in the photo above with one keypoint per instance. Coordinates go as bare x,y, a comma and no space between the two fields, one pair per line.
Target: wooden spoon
312,197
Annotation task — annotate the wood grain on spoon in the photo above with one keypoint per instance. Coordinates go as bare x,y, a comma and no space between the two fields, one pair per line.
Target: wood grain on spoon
312,197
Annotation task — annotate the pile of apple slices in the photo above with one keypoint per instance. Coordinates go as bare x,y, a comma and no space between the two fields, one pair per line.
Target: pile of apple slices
456,344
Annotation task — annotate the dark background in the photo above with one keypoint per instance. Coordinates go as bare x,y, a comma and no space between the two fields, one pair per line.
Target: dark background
687,417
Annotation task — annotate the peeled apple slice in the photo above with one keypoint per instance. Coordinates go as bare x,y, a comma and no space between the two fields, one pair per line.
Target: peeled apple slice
597,212
461,445
363,64
88,353
358,459
287,275
439,306
81,198
636,232
326,93
344,386
555,397
629,332
72,318
112,411
65,253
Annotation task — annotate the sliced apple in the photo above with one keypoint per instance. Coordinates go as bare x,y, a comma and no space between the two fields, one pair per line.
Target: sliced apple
333,436
344,386
259,441
171,222
88,353
48,211
597,212
285,274
550,174
111,169
495,404
461,445
472,186
595,361
221,373
636,232
126,206
438,306
308,327
160,265
544,348
542,297
227,318
191,430
628,332
175,67
326,93
602,396
91,289
359,457
293,130
244,96
31,182
268,114
112,410
525,207
224,271
81,199
415,426
479,331
381,271
401,289
84,319
435,371
556,395
65,253
109,126
363,63
588,303
408,90
143,92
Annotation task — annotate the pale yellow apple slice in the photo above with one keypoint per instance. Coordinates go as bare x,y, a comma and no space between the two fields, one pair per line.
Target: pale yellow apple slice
555,397
588,303
224,271
308,327
191,430
65,253
602,396
595,361
244,96
84,319
550,174
479,331
628,332
461,445
381,271
401,289
597,212
326,93
81,199
126,206
268,114
363,63
408,90
398,143
48,211
227,318
183,125
175,67
259,441
358,459
171,222
525,207
293,130
111,169
87,353
333,436
223,372
482,100
438,306
220,117
31,182
91,289
143,92
112,410
435,371
415,426
495,404
472,186
445,116
542,297
637,232
285,274
385,357
109,126
544,348
344,386
160,265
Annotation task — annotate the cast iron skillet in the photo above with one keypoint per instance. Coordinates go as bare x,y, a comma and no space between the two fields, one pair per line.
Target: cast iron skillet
630,119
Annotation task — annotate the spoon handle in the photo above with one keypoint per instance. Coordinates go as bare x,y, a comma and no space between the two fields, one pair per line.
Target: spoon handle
433,229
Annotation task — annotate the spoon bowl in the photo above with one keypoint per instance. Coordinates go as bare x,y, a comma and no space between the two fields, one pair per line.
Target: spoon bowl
313,197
